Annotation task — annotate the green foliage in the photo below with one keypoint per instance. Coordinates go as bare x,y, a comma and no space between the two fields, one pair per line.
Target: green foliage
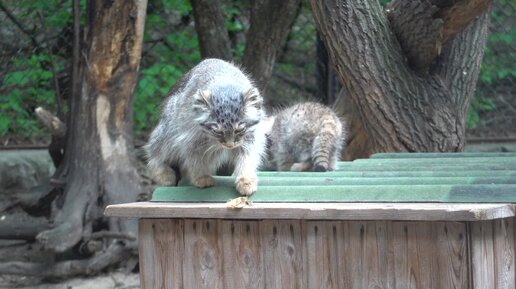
478,105
155,82
27,80
498,63
25,87
167,57
233,14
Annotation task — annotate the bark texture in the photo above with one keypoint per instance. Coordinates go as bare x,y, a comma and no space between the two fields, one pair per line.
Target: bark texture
397,107
211,29
98,168
270,23
423,28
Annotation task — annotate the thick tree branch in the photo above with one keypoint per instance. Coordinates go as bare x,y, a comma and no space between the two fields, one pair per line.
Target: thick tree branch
52,122
458,16
298,83
115,253
20,226
399,110
211,29
424,28
270,22
57,130
459,63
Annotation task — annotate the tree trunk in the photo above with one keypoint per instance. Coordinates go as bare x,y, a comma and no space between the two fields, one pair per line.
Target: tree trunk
423,28
98,167
397,107
328,85
211,29
270,23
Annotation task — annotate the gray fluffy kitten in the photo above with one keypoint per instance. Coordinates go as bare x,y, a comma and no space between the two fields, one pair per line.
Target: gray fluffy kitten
305,136
212,117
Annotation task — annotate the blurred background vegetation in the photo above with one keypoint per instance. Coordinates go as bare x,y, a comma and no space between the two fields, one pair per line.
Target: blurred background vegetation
35,61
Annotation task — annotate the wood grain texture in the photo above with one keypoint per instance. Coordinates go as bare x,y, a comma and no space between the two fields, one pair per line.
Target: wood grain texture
504,253
451,239
493,254
430,255
322,259
284,250
196,253
242,255
482,256
317,211
368,255
161,253
203,263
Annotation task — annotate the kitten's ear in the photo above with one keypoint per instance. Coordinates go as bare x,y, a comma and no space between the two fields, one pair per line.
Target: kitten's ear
202,99
253,97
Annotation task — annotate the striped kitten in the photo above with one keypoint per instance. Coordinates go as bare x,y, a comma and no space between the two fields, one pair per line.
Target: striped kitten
213,117
303,137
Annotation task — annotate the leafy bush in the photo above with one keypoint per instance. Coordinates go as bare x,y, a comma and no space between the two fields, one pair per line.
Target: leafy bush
26,78
168,54
25,87
498,67
154,84
478,104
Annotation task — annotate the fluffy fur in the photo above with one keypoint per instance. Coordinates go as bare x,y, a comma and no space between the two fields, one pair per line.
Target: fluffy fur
306,136
213,117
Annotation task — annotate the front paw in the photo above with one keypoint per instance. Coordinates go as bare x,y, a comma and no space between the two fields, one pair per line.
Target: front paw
204,182
246,186
165,176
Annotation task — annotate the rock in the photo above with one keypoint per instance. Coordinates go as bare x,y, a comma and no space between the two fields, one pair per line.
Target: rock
21,170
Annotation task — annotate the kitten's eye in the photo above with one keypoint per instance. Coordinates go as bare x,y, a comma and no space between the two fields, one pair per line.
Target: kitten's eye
241,127
213,127
251,123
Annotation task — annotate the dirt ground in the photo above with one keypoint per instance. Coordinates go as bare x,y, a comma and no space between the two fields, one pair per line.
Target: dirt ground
115,280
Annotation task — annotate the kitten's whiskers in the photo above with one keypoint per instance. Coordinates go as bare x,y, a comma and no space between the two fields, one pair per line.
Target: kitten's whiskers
211,148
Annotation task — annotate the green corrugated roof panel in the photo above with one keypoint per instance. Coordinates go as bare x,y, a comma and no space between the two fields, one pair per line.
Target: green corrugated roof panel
388,177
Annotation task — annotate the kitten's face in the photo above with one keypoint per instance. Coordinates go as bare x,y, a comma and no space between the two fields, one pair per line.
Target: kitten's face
227,119
229,135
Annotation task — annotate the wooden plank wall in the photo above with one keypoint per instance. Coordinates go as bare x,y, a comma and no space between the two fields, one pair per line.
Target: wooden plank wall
200,253
161,248
493,254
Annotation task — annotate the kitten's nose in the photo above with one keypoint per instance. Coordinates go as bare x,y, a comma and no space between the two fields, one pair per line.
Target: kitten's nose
229,144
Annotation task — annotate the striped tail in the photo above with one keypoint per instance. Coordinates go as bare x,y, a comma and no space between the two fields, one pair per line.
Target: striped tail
325,146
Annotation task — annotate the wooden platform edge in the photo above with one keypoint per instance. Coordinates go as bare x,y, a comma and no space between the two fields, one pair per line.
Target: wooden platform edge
317,211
